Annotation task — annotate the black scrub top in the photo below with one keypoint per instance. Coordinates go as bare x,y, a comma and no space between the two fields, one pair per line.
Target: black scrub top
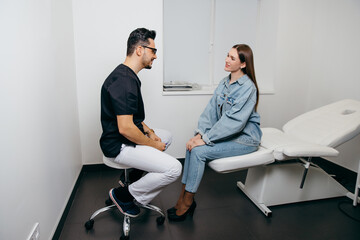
120,95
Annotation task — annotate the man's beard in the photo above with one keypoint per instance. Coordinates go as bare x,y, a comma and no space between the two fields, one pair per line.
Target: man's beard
148,65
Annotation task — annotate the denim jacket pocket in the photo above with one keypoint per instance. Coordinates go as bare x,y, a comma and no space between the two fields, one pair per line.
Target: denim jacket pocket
230,100
229,103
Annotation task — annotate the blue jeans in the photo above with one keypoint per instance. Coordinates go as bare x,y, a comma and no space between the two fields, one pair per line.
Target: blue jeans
195,160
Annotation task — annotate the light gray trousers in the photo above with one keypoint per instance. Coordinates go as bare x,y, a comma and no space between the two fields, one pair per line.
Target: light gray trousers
162,168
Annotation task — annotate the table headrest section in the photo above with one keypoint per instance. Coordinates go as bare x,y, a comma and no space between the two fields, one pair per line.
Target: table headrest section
330,125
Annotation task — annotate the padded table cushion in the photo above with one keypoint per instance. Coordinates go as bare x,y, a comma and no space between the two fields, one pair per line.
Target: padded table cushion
230,164
286,146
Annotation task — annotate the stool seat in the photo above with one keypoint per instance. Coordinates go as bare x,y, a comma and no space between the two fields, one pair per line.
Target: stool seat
110,162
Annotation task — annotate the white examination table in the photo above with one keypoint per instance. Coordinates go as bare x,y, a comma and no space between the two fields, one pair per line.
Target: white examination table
274,177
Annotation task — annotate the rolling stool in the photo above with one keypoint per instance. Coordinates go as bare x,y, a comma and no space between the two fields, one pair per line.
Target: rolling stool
126,224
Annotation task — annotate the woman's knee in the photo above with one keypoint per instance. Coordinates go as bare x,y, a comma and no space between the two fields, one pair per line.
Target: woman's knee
198,154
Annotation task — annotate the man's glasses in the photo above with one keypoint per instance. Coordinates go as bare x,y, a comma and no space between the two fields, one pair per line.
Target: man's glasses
154,50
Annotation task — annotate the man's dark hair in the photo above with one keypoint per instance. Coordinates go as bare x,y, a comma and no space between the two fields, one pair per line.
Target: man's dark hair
139,36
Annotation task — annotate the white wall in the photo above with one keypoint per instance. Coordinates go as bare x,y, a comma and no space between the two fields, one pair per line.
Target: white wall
310,36
39,140
316,63
316,58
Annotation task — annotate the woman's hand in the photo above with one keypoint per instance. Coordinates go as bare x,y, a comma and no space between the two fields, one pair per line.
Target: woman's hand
194,142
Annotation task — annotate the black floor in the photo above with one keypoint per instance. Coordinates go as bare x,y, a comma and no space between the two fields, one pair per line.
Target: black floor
223,212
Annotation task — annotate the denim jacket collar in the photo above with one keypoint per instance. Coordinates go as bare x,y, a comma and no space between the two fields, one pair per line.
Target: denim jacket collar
240,80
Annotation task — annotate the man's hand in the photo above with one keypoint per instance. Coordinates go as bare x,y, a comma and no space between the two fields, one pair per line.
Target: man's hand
154,137
159,145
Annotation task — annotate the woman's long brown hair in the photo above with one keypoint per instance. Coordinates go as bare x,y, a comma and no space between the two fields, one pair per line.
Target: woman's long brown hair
246,55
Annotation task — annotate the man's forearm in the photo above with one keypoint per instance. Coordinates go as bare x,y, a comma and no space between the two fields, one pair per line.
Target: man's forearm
147,129
128,129
136,136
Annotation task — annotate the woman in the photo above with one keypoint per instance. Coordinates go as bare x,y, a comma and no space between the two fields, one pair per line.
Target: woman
229,126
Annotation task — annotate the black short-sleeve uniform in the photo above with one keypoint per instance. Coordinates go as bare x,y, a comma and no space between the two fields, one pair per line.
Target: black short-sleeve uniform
120,95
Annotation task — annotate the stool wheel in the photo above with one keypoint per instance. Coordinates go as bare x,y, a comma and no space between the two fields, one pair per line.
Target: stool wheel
89,224
108,202
160,220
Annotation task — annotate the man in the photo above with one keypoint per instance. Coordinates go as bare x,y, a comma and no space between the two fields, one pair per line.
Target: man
126,137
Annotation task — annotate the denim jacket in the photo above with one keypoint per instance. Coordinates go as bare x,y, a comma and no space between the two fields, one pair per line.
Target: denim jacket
230,115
